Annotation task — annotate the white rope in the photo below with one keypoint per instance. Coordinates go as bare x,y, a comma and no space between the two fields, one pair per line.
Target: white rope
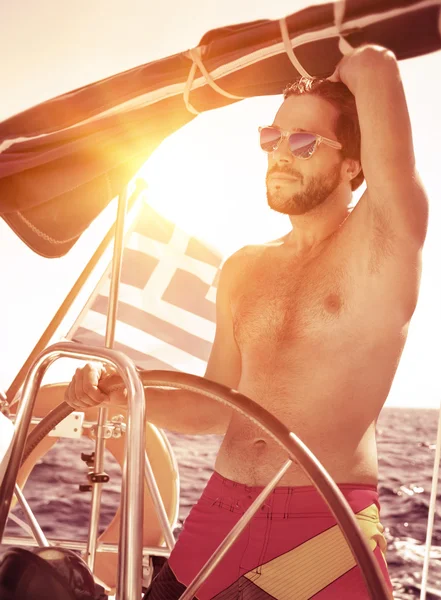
187,89
431,516
195,55
339,14
288,49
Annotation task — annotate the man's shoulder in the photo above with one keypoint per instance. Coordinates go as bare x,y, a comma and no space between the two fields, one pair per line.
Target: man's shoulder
245,255
238,264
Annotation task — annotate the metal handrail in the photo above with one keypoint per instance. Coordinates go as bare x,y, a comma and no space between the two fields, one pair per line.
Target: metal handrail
103,412
158,503
130,544
108,547
161,513
149,477
33,524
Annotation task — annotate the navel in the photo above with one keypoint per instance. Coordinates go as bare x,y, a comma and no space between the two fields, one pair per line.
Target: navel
259,444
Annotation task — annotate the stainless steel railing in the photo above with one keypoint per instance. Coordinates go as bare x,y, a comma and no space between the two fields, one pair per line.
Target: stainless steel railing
130,545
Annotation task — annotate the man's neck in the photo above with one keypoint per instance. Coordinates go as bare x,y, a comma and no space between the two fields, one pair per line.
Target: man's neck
311,229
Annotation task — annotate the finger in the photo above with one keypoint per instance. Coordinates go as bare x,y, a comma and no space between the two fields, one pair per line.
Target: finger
336,75
67,395
335,78
108,372
77,383
70,396
108,369
78,395
91,377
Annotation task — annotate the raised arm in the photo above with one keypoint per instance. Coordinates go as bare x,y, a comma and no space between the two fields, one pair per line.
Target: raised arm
178,410
394,189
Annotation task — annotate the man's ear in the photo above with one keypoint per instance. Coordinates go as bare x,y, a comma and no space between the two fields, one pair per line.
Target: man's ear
351,168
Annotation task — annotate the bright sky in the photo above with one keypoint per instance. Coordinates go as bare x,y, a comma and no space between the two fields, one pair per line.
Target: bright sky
209,177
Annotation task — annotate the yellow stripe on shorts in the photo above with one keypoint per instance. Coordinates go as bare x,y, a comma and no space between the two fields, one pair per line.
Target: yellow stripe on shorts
315,564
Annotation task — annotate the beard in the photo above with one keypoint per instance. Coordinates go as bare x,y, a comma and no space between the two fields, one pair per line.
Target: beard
313,193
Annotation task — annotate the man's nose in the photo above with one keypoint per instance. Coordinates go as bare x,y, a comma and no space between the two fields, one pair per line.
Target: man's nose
282,153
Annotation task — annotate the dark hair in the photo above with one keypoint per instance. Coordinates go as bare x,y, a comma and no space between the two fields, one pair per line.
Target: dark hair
347,128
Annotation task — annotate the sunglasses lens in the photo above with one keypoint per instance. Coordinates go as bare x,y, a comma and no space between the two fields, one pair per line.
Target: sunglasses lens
269,138
302,145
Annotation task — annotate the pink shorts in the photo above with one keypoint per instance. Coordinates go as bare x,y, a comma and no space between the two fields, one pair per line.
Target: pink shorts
291,549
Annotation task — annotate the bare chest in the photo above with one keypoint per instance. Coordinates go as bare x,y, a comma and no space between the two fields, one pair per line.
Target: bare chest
285,300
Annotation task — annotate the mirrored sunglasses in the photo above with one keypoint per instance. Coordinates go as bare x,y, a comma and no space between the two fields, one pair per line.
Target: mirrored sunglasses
301,143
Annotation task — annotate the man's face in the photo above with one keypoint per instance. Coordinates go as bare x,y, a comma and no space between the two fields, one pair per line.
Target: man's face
296,186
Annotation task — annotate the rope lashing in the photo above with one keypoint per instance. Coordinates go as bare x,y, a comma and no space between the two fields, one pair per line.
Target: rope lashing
289,50
339,14
195,55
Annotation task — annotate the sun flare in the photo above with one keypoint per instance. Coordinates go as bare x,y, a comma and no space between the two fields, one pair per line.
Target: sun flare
209,178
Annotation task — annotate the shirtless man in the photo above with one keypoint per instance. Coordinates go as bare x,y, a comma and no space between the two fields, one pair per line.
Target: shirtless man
312,327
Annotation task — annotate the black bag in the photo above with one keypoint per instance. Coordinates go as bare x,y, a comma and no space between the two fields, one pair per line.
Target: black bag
53,573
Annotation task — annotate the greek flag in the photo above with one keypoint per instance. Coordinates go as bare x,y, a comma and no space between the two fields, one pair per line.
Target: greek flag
166,307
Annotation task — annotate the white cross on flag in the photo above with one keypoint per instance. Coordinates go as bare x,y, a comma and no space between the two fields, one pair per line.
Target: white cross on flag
166,307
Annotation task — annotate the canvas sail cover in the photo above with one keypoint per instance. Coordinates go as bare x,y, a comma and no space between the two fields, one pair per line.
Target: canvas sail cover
62,161
166,304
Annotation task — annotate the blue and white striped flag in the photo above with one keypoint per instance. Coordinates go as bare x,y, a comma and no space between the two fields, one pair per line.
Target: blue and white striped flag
166,308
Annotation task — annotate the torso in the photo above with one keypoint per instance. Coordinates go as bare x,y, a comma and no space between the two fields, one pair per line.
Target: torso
320,339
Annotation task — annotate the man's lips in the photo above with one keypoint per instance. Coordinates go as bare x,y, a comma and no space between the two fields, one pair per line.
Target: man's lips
283,177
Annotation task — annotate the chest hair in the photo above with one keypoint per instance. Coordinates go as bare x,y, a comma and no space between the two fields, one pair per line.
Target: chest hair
281,300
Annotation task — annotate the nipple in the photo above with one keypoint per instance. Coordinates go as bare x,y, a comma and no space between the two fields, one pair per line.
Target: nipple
333,303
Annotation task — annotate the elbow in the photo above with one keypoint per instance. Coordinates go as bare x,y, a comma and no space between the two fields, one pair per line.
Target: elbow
197,424
213,426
